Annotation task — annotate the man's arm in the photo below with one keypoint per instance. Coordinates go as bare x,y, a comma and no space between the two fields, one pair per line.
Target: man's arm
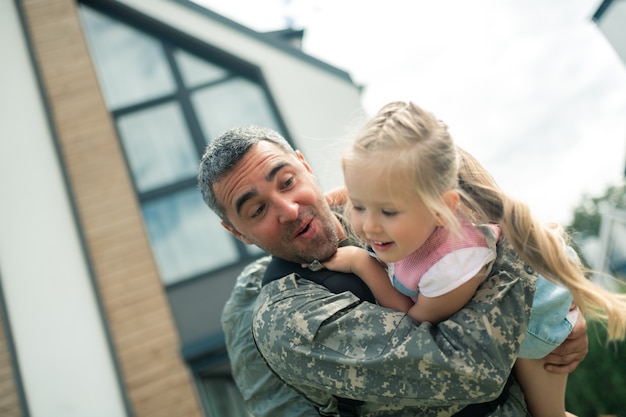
565,358
321,342
263,393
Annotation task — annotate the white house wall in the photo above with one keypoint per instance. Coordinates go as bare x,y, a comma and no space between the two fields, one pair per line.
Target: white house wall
319,107
63,354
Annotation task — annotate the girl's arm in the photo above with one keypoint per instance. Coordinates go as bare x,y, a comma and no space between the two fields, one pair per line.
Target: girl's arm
356,260
436,309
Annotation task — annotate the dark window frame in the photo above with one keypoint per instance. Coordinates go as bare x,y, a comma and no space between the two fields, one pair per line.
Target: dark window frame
171,39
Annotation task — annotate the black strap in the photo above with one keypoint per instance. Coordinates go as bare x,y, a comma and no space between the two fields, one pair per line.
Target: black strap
484,409
348,407
337,282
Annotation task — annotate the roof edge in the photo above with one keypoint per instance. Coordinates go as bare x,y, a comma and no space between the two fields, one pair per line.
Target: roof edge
601,10
275,39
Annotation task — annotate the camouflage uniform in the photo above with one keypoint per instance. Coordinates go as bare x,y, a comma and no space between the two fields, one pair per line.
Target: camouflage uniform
326,344
264,394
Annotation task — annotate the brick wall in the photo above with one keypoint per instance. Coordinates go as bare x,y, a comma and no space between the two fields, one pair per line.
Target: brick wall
9,401
157,382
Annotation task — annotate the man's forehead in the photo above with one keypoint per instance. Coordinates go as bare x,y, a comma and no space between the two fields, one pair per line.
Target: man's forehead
260,165
263,160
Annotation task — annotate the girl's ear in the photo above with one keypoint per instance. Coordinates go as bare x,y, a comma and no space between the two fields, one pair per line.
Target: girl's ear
451,199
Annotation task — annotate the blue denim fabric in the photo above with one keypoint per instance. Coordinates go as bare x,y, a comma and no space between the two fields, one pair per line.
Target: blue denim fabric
548,326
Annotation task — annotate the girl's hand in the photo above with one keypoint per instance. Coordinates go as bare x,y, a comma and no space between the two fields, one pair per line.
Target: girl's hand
344,259
337,197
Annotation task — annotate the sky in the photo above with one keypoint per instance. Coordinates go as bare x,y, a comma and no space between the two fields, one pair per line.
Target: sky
531,88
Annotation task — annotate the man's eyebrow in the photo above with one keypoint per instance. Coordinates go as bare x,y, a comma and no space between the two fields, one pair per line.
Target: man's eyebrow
248,195
242,200
270,175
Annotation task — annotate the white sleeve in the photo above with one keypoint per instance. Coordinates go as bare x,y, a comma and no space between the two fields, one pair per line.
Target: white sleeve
454,270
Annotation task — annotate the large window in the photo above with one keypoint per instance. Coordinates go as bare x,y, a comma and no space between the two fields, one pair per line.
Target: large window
167,103
220,395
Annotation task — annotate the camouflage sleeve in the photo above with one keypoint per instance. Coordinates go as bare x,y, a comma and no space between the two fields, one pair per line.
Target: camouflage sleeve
263,393
321,342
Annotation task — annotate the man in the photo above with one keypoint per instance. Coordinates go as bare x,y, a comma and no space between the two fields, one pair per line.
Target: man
326,345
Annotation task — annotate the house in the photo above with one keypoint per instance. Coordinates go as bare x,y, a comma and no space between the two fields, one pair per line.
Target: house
113,273
609,249
610,18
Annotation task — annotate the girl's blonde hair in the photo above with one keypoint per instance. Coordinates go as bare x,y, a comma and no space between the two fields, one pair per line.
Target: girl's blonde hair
408,143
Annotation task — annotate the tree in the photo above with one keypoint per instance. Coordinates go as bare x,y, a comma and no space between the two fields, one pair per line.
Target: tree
598,385
588,214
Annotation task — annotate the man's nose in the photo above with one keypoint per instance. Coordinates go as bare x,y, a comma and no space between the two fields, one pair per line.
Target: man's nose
287,210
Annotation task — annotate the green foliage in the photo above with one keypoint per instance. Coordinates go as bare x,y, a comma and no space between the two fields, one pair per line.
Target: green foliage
598,385
588,214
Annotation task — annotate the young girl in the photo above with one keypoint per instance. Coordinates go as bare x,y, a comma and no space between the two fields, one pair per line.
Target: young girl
434,216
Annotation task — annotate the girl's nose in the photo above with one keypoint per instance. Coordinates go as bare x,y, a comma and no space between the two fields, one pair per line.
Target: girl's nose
370,225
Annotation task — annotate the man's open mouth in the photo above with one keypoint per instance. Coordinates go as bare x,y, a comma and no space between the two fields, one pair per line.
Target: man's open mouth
305,229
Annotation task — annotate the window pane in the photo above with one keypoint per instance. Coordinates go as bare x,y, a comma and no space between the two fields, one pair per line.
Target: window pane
131,65
196,71
223,398
158,146
254,250
230,104
186,236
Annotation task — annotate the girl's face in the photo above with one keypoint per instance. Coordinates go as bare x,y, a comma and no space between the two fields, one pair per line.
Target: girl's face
387,215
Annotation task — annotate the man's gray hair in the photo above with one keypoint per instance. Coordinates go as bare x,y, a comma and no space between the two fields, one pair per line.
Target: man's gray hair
224,152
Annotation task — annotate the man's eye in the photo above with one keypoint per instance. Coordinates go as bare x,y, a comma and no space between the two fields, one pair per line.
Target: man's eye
258,211
289,182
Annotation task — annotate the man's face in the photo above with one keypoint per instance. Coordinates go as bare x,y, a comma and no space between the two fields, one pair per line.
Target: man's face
272,200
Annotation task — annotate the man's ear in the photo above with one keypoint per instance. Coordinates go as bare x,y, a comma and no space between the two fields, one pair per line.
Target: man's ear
236,233
304,162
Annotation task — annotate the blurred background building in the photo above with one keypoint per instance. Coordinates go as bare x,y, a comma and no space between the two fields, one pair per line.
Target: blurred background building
608,253
113,272
610,18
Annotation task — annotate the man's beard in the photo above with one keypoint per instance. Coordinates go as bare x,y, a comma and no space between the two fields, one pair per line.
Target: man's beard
321,247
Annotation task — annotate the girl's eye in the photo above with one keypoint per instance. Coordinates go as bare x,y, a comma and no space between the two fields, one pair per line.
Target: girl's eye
389,213
357,208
